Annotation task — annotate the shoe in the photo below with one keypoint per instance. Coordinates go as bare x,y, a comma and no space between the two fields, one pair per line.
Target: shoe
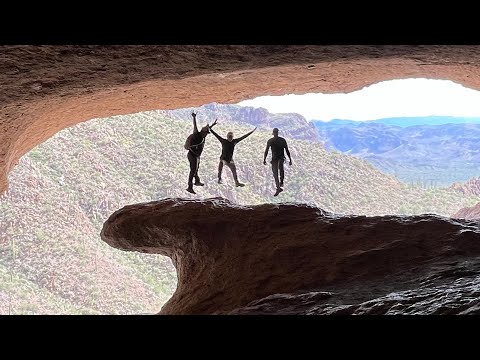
239,184
199,184
279,190
190,190
220,181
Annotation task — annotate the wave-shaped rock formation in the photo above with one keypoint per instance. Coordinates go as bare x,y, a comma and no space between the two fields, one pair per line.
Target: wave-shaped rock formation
299,259
44,89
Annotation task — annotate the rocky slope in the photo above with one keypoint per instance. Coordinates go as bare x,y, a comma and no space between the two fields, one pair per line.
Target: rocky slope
291,125
287,258
470,187
51,261
470,213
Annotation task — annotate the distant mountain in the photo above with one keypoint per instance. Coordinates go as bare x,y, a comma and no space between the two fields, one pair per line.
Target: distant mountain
404,121
426,151
428,154
469,213
470,187
290,124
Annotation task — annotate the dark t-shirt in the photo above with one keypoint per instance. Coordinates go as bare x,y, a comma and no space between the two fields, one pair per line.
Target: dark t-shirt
278,146
228,146
196,143
227,149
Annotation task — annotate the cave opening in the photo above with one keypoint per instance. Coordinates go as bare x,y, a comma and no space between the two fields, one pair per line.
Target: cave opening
63,190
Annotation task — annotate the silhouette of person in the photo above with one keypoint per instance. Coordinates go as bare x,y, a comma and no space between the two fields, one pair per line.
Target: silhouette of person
278,145
226,158
194,145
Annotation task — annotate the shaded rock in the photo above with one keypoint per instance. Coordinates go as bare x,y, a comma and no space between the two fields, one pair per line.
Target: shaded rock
449,288
229,256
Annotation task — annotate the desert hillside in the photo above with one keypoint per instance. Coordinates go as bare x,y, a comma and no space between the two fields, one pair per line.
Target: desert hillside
52,260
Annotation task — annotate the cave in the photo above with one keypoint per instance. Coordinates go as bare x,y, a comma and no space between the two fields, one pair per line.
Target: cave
49,88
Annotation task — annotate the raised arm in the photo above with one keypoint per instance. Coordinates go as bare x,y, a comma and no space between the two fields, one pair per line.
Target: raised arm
245,136
266,153
214,133
195,129
288,152
214,123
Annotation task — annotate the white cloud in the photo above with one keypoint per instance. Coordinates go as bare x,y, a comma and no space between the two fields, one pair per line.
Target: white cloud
407,97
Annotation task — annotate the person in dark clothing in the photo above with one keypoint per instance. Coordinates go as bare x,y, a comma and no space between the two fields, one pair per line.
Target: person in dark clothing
228,146
278,145
194,145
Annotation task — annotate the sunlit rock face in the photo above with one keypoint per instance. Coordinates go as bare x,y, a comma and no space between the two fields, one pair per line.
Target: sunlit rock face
470,187
469,213
44,89
299,259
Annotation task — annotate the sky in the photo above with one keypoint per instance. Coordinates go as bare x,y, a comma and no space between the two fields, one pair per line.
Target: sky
396,98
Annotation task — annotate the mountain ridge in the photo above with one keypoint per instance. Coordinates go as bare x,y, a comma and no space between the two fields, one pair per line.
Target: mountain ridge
404,121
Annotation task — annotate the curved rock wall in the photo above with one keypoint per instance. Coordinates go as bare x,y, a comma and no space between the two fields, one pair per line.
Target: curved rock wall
47,88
